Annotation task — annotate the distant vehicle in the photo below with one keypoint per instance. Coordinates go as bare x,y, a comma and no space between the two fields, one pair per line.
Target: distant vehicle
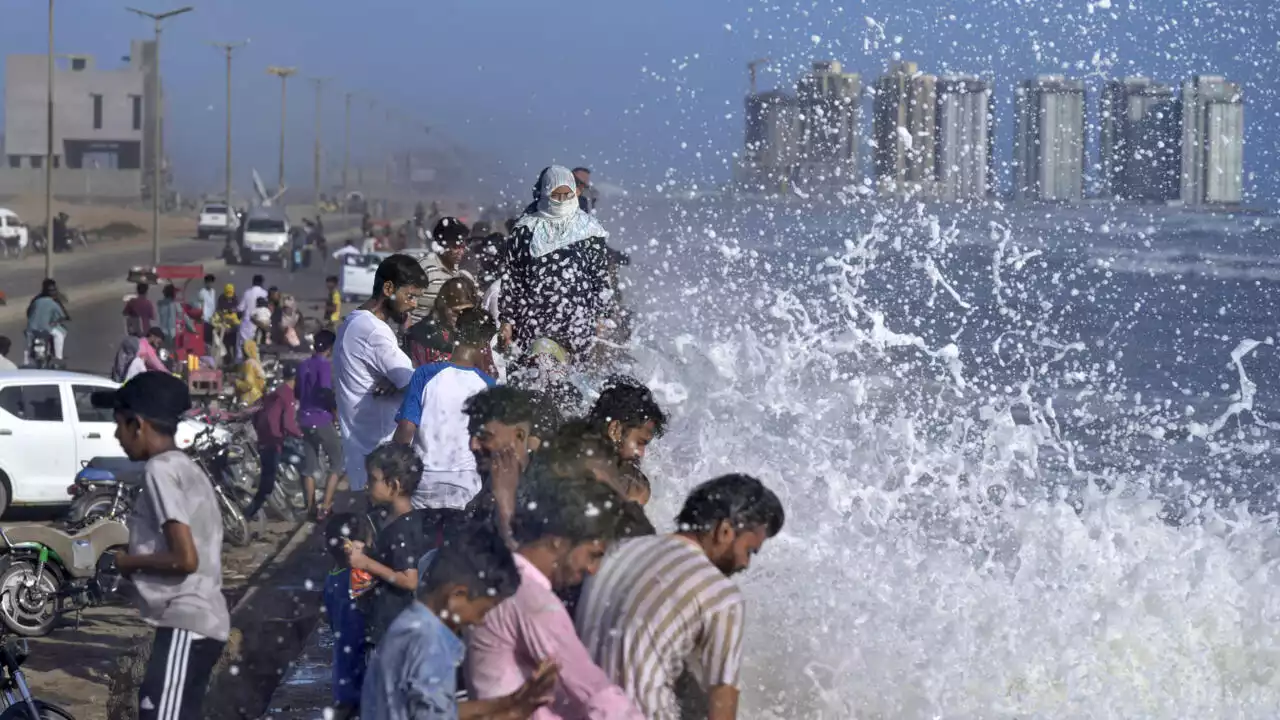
215,219
266,237
356,282
13,233
49,429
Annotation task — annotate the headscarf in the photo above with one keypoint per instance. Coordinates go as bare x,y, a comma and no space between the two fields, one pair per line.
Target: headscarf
124,356
557,224
228,290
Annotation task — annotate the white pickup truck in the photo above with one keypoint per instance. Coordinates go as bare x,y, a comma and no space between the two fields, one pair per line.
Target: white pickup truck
215,219
13,234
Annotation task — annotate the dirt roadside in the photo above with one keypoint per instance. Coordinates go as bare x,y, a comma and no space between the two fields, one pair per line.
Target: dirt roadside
81,669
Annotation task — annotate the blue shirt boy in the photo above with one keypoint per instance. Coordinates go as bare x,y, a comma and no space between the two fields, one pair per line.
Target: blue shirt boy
413,673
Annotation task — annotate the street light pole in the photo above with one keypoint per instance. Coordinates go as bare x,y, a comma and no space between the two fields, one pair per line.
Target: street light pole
229,48
158,144
346,147
283,73
319,83
48,162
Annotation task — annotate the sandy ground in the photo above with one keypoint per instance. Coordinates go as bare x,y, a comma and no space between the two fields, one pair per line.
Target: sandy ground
92,217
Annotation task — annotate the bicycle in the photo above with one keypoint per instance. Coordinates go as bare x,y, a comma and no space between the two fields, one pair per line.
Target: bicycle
15,696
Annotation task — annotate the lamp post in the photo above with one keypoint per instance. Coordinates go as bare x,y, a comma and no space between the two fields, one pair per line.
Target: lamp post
284,73
319,85
158,144
228,48
48,162
346,146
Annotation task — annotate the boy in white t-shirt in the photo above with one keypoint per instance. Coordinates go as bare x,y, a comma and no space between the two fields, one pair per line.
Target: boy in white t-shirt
433,422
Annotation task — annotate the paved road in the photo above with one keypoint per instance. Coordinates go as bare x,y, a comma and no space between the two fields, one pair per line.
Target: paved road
96,329
21,279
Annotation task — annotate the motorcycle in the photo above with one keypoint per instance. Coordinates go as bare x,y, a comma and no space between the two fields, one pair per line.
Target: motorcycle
218,459
41,351
45,572
16,700
104,487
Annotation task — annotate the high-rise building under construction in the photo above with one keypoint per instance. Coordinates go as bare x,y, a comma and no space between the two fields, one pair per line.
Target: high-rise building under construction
1141,140
1212,141
963,139
1049,140
903,128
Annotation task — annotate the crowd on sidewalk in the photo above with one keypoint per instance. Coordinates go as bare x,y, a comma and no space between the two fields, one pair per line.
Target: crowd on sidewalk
495,559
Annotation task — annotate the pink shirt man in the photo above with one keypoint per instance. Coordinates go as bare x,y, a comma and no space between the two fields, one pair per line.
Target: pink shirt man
527,628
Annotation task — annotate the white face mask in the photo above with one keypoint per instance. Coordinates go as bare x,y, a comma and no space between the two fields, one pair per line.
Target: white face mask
562,208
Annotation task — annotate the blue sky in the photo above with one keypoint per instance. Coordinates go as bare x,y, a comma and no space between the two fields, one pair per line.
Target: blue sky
640,90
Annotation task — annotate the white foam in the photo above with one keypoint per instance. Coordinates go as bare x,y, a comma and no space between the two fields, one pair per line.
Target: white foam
929,567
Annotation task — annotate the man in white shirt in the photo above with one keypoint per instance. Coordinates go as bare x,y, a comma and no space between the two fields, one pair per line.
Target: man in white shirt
248,303
370,371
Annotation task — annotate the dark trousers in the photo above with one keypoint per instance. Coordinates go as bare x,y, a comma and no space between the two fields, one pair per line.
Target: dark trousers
177,675
269,459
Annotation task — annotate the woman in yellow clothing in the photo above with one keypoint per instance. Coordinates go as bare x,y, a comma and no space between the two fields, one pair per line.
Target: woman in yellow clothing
251,380
226,323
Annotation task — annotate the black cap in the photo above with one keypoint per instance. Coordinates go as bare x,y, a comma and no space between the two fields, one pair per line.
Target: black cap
152,395
450,232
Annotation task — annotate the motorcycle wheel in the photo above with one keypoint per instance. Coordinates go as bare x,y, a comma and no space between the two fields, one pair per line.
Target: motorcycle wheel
235,527
28,604
44,710
87,508
278,504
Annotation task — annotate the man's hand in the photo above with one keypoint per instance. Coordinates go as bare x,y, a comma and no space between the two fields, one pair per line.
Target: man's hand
384,387
539,689
505,334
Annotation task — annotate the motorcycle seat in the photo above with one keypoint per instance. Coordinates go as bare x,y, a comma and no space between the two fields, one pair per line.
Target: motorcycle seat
125,470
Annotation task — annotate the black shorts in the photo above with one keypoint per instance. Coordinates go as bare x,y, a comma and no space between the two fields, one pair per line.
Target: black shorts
177,675
322,438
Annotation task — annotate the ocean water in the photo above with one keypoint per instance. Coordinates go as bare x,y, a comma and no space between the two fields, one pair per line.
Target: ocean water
1028,454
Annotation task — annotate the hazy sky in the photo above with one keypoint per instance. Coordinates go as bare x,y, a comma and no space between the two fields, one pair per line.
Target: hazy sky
639,90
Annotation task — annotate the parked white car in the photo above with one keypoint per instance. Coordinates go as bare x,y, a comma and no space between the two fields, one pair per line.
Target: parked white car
356,281
13,234
49,429
215,219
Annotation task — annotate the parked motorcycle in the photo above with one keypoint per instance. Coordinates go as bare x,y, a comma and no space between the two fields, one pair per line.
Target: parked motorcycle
45,572
105,487
16,700
218,459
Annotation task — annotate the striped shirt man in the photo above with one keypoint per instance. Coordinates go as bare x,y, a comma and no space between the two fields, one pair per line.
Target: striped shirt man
437,276
656,605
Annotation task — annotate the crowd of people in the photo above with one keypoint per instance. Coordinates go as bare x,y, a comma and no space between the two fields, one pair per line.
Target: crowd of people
493,557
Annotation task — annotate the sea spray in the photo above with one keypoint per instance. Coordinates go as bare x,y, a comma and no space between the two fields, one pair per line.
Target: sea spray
975,528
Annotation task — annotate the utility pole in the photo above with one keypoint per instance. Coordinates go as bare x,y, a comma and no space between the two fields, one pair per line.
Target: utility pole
158,145
283,73
391,151
229,48
48,162
346,147
319,83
